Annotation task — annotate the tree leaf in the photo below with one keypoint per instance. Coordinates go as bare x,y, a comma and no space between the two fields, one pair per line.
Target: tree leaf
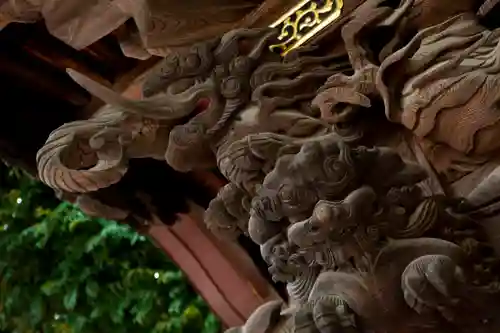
96,313
74,224
51,252
70,299
92,289
50,287
92,243
76,322
37,309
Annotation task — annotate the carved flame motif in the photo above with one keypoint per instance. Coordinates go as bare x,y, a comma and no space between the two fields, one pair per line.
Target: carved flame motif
304,21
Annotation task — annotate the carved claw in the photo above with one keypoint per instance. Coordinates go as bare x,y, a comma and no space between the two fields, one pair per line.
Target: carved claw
328,100
220,222
342,96
337,299
303,320
328,314
333,314
430,283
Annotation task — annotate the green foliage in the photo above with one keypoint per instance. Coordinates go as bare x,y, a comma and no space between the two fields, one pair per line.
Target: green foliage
63,272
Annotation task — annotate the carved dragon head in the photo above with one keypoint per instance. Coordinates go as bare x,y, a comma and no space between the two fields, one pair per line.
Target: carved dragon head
84,156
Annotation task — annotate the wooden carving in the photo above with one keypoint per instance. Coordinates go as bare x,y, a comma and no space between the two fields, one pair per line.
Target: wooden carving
369,179
146,27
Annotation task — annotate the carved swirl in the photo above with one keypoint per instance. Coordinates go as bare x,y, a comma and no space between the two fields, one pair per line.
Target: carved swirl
438,107
74,160
431,282
227,215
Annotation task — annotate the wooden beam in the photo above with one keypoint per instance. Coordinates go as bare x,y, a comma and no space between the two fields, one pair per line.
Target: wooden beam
21,68
233,290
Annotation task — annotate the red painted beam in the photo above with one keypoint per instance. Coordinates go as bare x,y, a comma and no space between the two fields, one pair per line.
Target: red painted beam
228,288
181,253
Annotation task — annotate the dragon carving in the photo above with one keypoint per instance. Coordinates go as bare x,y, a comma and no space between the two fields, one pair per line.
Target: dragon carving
341,207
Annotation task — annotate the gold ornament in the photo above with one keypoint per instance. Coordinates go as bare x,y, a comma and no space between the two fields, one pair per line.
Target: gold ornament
304,21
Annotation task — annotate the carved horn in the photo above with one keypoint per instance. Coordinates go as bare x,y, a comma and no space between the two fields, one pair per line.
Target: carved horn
164,106
104,93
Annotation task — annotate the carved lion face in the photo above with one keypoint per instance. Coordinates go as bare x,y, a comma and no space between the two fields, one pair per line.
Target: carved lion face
276,252
330,221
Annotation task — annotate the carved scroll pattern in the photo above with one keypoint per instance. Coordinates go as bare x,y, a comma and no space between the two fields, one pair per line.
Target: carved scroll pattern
346,223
